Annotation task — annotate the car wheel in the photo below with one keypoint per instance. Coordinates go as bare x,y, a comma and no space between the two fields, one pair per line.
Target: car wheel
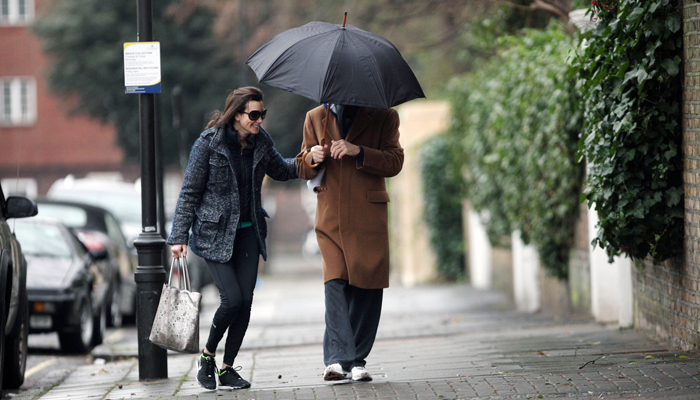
115,312
99,325
77,339
16,344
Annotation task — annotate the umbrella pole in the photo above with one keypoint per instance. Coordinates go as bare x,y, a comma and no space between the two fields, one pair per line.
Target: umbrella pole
325,125
323,138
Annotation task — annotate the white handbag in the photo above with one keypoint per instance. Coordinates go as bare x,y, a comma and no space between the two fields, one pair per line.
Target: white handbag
176,324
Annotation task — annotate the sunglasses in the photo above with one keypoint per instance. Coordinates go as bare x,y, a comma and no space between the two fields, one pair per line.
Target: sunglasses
255,114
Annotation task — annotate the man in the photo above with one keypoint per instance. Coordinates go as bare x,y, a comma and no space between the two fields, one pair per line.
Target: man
351,224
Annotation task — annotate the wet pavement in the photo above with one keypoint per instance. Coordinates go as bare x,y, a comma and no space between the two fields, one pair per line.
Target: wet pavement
434,342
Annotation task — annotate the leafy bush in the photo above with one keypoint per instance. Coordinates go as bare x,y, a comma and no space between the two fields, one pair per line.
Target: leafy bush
443,193
517,120
629,74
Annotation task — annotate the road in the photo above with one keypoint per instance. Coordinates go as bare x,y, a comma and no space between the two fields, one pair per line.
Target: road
45,357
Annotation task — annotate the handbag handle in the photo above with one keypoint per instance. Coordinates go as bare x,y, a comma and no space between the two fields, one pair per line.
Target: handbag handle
183,273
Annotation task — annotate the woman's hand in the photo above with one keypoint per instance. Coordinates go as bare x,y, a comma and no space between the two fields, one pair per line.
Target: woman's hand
179,250
340,148
318,153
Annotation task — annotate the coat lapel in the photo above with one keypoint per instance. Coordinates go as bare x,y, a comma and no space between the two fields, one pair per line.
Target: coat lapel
362,121
332,132
218,143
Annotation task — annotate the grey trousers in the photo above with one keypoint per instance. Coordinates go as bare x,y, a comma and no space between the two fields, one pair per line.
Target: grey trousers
352,319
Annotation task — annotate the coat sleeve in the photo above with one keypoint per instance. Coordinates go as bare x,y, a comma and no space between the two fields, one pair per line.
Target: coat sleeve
280,168
193,187
387,160
310,140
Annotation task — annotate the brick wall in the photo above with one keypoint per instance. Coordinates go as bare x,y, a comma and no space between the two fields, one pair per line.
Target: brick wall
666,297
666,301
571,298
580,266
57,143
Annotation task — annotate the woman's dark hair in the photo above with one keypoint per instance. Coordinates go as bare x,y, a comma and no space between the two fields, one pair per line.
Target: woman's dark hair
235,104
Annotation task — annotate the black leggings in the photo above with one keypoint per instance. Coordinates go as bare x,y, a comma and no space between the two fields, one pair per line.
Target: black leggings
235,280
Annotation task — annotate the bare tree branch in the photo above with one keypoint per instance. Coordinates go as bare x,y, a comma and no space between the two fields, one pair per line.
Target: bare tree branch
516,6
560,9
552,9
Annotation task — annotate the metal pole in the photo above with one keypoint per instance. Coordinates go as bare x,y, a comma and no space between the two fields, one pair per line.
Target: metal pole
160,176
149,275
160,173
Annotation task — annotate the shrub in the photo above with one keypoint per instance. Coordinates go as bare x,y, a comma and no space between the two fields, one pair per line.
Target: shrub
443,194
517,121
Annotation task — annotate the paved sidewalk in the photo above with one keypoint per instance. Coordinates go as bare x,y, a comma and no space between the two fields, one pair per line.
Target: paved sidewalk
434,342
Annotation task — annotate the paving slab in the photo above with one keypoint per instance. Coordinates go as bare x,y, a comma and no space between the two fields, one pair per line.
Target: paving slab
434,342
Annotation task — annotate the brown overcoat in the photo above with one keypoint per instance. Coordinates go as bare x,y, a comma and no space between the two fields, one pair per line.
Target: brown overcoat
351,216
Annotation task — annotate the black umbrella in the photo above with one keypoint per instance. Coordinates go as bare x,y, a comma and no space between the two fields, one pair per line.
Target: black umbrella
336,64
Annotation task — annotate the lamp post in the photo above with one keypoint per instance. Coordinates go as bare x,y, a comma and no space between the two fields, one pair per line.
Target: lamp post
149,275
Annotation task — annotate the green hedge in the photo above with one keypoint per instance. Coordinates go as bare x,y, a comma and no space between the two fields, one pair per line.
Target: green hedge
443,191
631,85
516,119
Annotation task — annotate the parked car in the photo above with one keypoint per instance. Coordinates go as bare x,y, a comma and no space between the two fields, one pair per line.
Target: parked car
67,290
14,314
100,232
123,200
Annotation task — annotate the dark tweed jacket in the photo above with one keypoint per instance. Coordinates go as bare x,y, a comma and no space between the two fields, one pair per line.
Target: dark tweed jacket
209,201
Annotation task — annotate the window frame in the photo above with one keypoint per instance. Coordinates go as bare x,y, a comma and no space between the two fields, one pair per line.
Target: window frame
20,107
11,15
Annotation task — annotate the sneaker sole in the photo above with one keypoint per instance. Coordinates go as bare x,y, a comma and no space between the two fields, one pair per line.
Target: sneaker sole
333,376
363,378
232,387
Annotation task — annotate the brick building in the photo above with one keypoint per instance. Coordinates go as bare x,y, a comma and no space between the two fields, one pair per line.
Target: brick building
38,137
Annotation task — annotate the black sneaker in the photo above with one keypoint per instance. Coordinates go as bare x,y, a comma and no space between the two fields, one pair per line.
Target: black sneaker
229,379
206,375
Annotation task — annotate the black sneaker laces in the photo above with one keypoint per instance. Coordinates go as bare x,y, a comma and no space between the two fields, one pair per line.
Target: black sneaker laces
209,365
231,370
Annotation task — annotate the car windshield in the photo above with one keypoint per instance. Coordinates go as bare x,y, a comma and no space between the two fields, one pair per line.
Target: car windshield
72,217
126,207
39,239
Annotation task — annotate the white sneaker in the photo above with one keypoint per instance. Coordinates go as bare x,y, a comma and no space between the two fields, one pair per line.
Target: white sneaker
334,372
360,374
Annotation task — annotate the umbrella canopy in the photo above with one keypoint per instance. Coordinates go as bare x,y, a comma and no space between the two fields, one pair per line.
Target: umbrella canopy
336,64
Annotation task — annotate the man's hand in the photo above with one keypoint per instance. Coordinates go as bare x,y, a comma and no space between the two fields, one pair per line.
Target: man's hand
318,153
179,249
340,148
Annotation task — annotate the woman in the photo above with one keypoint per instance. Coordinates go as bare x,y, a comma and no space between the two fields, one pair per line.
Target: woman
220,201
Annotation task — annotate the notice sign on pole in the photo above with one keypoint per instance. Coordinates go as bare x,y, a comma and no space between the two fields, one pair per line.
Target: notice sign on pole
142,67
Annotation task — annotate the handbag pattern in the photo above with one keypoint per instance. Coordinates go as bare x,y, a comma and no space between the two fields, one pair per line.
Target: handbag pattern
176,324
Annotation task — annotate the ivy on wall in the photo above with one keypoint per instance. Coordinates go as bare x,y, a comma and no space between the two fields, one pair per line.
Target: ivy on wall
631,138
516,120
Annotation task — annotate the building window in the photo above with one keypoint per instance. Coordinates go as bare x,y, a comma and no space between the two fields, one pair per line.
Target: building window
16,12
18,101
